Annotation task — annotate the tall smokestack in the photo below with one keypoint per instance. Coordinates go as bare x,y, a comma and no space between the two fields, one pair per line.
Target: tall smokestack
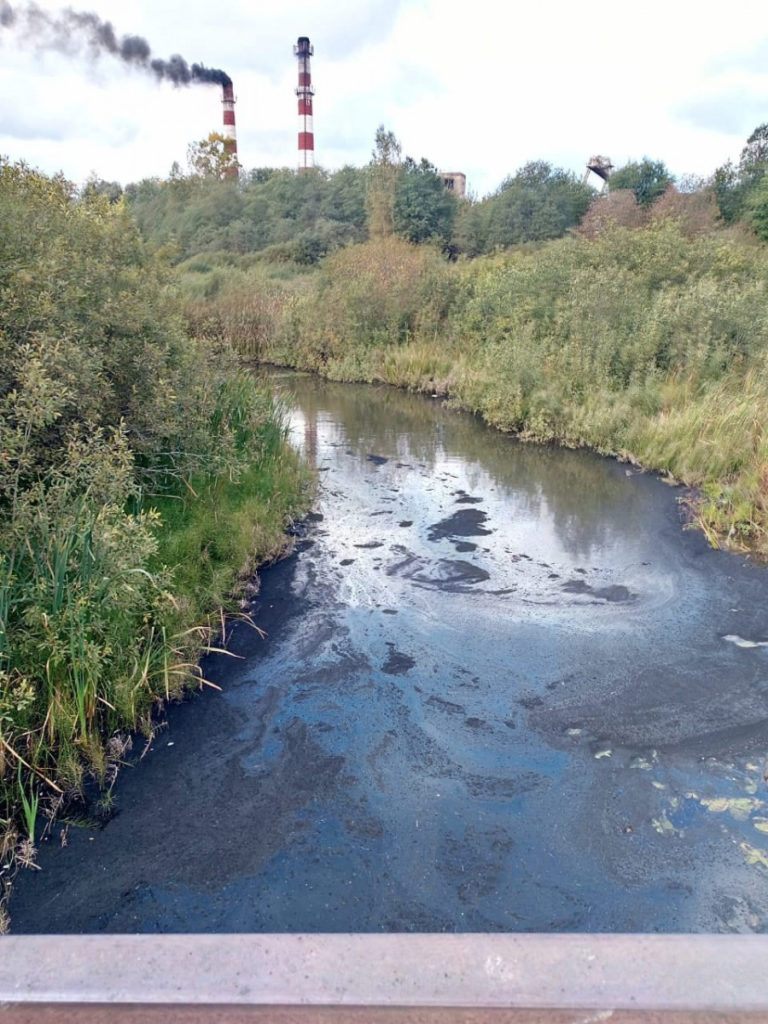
303,51
229,132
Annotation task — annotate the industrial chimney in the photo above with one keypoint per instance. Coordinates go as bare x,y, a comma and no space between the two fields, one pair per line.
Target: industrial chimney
303,50
230,135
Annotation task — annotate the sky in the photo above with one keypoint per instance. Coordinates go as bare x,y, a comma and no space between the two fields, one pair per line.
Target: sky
481,87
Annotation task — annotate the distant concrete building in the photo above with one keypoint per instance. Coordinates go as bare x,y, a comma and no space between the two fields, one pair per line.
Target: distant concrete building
455,181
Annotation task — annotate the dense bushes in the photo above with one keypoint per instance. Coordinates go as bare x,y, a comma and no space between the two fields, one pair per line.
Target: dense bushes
282,214
648,343
536,203
287,217
106,406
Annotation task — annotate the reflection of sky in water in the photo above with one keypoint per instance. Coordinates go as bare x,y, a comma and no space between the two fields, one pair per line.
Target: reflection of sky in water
568,509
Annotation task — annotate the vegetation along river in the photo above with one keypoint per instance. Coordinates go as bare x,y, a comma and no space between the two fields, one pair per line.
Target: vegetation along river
501,688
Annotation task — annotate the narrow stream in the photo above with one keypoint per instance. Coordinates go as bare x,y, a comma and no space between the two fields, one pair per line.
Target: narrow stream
501,688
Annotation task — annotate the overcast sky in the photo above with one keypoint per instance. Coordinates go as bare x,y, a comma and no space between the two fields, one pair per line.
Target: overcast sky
481,87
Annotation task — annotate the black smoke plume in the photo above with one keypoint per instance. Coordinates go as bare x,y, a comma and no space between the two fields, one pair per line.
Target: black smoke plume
74,32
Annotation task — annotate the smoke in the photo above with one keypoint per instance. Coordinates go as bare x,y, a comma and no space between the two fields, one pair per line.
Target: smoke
77,32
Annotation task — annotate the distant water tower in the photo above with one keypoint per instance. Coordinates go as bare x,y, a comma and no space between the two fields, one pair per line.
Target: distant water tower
303,50
601,166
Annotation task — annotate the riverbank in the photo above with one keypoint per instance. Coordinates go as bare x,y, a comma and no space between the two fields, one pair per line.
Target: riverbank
648,345
141,471
205,549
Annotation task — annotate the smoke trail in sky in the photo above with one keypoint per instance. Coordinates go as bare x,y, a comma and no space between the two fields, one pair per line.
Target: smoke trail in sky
81,32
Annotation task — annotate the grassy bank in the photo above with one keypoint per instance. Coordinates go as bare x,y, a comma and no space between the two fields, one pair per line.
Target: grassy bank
142,473
217,534
649,344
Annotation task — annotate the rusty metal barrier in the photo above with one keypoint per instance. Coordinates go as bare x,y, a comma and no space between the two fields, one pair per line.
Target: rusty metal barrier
397,979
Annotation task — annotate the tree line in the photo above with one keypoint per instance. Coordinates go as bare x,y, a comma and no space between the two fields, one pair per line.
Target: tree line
286,216
299,217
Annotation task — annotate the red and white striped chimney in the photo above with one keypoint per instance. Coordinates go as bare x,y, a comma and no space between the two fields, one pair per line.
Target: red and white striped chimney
303,51
229,132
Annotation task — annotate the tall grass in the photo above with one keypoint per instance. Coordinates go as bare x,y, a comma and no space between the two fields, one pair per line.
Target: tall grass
649,344
104,613
222,524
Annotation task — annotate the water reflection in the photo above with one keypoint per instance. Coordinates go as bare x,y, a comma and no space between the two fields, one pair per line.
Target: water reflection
587,503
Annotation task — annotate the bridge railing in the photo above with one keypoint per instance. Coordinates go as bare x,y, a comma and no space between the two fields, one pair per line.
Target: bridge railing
397,979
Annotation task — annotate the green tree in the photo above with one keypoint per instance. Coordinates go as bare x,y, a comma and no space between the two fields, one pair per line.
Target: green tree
755,208
737,188
648,179
96,186
383,173
344,200
754,156
424,209
276,211
538,202
259,175
729,196
470,235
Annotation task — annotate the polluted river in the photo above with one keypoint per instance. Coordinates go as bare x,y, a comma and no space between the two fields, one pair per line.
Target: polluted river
497,687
